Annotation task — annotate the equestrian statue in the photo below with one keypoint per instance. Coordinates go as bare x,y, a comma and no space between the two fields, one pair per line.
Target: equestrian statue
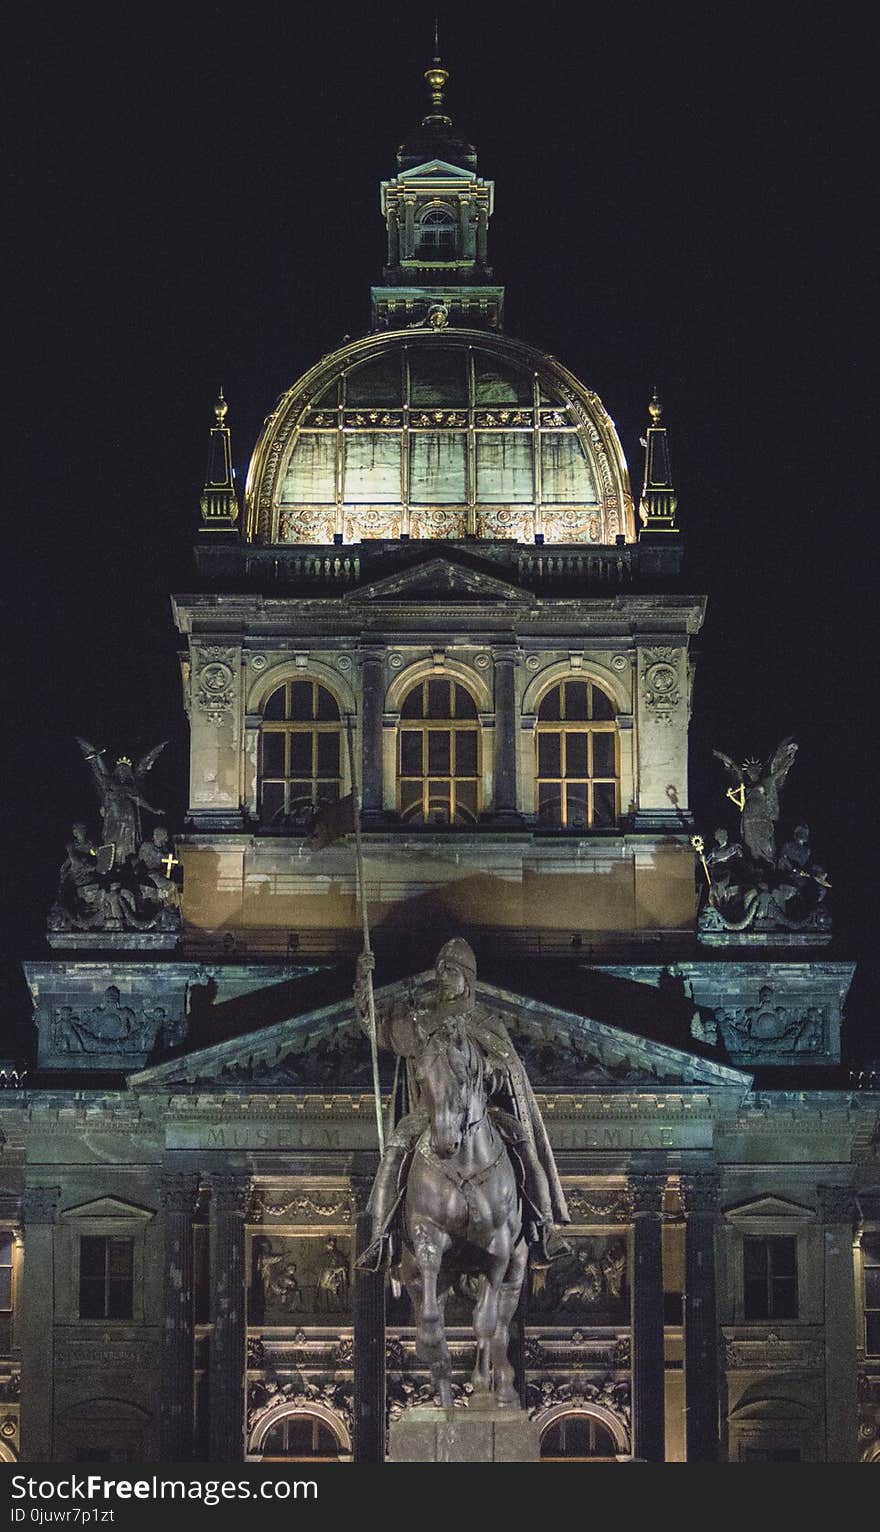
467,1184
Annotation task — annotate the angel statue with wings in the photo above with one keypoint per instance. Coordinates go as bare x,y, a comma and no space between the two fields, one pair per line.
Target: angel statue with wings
121,800
755,792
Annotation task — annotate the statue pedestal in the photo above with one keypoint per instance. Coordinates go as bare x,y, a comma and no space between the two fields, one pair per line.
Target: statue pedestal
428,1434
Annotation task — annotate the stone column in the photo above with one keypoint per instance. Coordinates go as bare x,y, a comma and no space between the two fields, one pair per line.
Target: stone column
700,1198
482,235
178,1193
372,699
36,1328
837,1209
369,1341
391,226
226,1219
648,1363
505,733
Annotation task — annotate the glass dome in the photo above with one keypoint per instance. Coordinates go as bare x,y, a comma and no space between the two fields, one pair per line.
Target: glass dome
438,435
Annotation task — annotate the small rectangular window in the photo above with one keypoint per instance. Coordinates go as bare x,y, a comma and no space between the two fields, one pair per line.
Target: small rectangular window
770,1277
106,1278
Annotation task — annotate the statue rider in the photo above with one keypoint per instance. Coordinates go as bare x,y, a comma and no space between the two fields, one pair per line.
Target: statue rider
405,1027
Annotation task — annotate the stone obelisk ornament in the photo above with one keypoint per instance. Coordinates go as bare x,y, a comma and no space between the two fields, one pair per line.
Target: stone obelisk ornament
467,1181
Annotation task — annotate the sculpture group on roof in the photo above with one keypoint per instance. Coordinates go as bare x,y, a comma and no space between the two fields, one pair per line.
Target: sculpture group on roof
749,884
122,881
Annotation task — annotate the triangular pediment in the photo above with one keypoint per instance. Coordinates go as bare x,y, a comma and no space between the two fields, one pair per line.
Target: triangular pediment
108,1207
442,580
436,170
325,1049
770,1208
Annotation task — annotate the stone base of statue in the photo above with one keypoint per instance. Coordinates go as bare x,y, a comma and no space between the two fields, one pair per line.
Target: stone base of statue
429,1434
114,941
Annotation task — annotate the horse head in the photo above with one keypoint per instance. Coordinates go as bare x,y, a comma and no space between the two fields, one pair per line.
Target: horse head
450,1078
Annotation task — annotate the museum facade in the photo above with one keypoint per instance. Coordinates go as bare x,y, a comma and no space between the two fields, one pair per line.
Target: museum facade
439,599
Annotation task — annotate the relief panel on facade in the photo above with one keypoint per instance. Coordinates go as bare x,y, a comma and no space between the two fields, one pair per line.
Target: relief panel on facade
298,1279
584,1283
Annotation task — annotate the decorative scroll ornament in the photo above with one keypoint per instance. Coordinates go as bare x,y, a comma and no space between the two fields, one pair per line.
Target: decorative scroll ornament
579,1393
767,1027
585,1204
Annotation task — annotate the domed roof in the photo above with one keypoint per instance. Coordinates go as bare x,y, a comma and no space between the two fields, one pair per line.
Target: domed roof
446,433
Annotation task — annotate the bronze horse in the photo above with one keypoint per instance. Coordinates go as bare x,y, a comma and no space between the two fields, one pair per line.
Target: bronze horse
461,1217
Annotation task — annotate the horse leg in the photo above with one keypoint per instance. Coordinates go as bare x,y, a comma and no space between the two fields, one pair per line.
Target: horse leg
486,1318
508,1298
429,1245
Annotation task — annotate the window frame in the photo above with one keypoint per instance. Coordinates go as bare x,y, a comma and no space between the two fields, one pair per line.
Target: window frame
288,727
772,1280
869,1310
564,728
107,1280
453,725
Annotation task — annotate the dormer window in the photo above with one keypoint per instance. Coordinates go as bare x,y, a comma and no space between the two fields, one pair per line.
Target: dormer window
437,234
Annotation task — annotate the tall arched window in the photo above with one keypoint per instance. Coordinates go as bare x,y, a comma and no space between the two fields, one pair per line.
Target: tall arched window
438,232
300,753
578,769
577,1437
438,759
301,1436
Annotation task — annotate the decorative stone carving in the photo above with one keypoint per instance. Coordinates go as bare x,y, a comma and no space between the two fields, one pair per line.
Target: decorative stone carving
259,661
586,1204
766,1027
662,682
179,1191
404,1391
772,1351
10,1388
584,1277
533,662
647,1195
300,1275
266,1394
112,1027
619,662
612,1393
372,523
303,1205
699,1194
306,526
571,527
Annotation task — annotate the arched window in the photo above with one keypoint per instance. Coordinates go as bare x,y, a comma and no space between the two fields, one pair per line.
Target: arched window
577,1437
438,232
438,761
578,769
302,1436
300,753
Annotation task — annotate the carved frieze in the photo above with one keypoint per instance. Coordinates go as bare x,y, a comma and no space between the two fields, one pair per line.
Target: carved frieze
586,1204
572,526
266,1394
301,1206
308,526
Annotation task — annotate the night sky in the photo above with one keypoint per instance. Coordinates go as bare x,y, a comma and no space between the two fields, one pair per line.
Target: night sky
683,197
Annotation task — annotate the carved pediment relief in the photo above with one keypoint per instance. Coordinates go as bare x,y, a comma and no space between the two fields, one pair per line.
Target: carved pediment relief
441,580
325,1050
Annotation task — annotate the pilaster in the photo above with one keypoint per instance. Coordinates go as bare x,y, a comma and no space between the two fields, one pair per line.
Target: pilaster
837,1210
369,1340
226,1230
39,1211
178,1193
648,1365
700,1197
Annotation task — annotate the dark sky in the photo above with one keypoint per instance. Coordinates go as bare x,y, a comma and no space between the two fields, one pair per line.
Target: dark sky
683,196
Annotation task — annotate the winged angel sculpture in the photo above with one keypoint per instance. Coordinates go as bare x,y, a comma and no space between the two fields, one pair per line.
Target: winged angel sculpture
755,791
121,798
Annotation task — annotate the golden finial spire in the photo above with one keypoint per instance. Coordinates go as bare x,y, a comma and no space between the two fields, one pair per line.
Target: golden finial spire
658,504
436,77
219,502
